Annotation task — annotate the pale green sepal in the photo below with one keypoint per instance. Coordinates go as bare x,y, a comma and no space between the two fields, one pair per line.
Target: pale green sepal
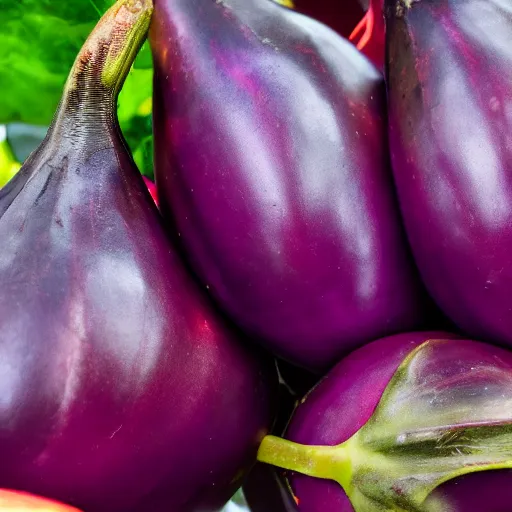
431,425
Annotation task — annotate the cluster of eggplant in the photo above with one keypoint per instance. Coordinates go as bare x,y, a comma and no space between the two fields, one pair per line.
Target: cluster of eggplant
320,279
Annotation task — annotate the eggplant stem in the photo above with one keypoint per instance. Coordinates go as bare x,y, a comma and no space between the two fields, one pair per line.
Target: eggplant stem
329,462
89,103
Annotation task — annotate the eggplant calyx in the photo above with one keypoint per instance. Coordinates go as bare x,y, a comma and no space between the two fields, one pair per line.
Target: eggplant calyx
446,412
400,473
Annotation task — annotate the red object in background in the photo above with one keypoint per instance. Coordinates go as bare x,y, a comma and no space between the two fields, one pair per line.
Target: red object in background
16,501
366,30
152,189
340,15
369,34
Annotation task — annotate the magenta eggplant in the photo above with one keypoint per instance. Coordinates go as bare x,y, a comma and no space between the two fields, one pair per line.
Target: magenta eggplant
451,374
272,167
449,68
120,387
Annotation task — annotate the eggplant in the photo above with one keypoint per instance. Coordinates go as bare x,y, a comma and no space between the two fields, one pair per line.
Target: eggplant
271,165
449,69
122,389
416,422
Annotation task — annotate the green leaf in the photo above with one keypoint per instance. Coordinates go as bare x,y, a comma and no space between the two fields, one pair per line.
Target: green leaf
39,42
8,164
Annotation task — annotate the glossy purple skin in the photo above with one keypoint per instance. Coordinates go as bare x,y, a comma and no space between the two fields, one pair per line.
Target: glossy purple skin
120,388
450,96
344,401
271,164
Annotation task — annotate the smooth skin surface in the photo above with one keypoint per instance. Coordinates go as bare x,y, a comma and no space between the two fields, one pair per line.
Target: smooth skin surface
450,116
272,168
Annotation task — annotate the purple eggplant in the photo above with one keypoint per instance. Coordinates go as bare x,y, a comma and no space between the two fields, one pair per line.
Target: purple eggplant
449,68
121,389
418,422
272,167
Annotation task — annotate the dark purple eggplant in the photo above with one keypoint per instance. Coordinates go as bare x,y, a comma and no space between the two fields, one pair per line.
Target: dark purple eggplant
450,115
418,422
272,167
120,387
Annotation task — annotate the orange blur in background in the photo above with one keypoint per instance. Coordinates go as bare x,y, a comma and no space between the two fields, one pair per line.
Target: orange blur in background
16,501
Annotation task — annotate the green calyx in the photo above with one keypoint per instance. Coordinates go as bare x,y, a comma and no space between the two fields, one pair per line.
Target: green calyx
429,427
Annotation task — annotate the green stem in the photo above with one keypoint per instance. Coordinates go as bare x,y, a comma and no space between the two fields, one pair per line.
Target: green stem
112,46
100,70
330,462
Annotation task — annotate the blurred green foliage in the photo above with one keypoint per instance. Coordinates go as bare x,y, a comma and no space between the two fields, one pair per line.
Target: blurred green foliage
39,40
8,164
